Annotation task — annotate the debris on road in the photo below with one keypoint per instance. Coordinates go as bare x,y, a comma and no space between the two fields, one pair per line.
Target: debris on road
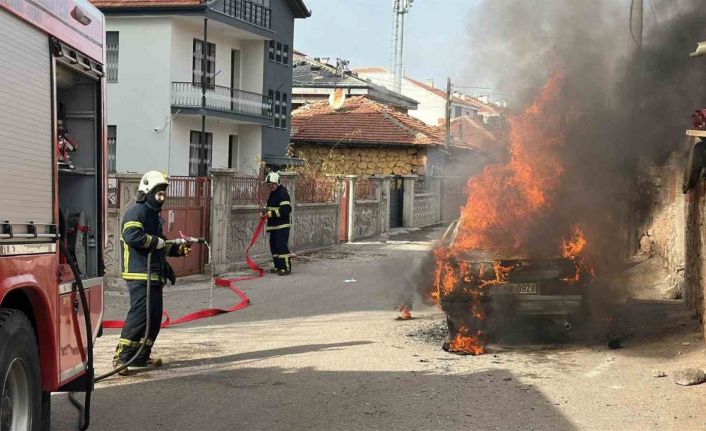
350,280
658,373
689,376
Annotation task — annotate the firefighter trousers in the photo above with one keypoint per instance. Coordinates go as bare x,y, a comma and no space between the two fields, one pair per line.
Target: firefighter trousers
279,247
136,321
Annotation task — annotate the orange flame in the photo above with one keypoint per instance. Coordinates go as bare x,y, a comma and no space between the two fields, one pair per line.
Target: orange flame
466,343
504,201
405,313
572,249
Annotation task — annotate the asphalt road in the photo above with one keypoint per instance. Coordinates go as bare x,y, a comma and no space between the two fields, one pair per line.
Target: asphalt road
321,350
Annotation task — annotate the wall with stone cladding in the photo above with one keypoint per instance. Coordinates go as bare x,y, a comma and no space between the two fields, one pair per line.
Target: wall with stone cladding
695,250
365,161
662,232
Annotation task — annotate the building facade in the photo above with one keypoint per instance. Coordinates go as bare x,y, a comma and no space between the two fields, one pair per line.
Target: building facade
432,100
164,55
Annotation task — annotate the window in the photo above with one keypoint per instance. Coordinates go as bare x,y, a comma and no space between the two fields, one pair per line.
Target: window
233,151
197,64
271,50
112,140
285,55
278,54
280,107
199,161
112,42
277,110
283,121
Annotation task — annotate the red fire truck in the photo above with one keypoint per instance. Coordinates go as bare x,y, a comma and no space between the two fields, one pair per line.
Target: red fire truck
52,203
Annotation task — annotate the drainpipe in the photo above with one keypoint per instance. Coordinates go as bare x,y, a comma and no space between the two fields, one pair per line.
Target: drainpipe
204,77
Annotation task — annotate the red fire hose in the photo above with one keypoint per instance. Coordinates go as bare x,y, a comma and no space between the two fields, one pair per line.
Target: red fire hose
223,282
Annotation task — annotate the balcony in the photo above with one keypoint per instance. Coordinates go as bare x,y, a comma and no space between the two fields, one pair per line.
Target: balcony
255,12
223,102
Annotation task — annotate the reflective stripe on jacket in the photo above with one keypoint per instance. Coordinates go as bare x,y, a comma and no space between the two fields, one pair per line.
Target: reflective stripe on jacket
140,230
280,207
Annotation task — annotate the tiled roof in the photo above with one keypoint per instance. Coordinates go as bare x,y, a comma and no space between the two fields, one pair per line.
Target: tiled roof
361,121
310,73
470,134
108,4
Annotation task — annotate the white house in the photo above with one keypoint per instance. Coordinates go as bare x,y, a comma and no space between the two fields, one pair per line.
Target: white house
155,83
432,101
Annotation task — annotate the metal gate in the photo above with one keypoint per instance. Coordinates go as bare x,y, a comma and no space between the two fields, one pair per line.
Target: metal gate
396,201
188,210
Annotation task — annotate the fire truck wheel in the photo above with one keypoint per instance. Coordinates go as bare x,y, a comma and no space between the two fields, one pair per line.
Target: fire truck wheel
20,405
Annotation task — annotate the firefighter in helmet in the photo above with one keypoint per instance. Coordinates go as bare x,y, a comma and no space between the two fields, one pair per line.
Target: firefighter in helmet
142,233
279,221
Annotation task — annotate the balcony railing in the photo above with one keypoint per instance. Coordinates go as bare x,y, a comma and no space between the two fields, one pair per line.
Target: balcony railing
224,99
255,12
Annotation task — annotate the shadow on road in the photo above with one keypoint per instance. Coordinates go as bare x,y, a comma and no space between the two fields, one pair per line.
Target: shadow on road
263,354
310,399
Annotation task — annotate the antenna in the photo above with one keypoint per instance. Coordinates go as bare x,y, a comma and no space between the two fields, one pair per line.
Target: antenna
399,9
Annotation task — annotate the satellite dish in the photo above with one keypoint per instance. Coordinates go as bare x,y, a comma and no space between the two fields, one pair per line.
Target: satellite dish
337,99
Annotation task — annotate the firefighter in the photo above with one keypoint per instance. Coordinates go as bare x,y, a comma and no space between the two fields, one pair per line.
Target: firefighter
279,221
142,233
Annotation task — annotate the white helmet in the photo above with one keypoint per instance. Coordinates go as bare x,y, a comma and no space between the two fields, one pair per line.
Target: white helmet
150,180
272,177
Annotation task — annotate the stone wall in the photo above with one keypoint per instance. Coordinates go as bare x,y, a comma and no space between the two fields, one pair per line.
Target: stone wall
364,161
695,250
662,229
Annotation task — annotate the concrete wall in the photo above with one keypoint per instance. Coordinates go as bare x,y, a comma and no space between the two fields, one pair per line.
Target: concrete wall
370,217
421,208
278,77
313,225
141,99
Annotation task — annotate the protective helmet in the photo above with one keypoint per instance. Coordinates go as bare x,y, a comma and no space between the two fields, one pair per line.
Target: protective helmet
150,180
272,178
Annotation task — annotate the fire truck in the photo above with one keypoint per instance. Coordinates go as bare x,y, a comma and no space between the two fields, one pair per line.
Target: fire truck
52,202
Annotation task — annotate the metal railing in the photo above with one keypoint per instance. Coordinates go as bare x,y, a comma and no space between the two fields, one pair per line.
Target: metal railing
225,99
255,12
316,190
248,190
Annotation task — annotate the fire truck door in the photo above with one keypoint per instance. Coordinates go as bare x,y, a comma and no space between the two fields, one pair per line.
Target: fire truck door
26,148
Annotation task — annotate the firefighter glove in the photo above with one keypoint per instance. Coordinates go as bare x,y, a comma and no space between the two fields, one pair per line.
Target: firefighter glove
184,250
160,244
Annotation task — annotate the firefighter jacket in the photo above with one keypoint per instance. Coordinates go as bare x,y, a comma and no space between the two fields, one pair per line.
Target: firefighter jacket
280,208
141,228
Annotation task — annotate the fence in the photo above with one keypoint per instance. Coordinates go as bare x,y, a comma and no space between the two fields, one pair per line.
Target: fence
186,210
236,213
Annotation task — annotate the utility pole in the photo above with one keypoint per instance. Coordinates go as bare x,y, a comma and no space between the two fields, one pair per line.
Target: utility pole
203,163
399,9
448,113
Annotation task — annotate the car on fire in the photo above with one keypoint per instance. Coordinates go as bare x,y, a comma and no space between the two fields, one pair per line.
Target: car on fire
502,286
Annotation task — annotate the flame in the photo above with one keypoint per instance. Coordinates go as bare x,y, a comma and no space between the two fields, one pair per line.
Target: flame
505,200
405,313
572,249
466,343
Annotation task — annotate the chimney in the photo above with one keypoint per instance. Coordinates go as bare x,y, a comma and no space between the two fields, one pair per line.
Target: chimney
430,82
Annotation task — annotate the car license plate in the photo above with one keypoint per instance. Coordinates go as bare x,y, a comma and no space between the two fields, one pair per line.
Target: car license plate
521,288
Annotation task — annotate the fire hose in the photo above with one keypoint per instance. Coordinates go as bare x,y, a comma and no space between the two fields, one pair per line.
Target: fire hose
85,408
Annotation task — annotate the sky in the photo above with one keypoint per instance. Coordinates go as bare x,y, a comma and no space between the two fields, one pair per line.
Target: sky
360,31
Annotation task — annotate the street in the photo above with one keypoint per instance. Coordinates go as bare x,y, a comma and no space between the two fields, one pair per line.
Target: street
321,350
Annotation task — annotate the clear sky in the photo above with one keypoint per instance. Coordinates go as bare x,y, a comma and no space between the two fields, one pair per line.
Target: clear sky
361,32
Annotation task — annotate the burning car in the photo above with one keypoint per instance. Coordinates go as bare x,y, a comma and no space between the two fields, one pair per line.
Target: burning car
481,290
512,253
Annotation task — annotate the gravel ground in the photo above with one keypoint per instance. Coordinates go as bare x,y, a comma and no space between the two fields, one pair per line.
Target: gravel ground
319,351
